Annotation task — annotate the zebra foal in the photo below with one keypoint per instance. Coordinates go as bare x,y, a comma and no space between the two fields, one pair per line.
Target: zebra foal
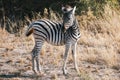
52,32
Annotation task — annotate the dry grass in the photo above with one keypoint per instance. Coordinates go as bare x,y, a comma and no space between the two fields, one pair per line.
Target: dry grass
98,52
100,36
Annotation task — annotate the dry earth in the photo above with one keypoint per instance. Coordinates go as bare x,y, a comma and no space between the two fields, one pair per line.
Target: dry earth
94,62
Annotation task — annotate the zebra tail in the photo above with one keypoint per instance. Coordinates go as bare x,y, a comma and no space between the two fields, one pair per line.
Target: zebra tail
29,30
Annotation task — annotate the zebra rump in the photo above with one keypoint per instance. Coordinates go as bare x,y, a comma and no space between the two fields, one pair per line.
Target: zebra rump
29,30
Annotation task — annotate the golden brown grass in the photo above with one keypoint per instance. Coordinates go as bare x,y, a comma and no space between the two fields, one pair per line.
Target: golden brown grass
98,47
100,36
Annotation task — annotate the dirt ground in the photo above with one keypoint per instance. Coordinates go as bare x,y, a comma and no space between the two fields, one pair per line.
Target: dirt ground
15,62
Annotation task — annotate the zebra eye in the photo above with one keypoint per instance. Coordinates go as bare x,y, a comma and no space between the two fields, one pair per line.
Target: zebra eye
68,17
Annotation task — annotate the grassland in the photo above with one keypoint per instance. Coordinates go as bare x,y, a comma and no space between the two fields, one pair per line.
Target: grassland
98,52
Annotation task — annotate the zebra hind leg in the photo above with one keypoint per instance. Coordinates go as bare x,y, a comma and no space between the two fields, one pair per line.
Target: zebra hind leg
36,57
33,60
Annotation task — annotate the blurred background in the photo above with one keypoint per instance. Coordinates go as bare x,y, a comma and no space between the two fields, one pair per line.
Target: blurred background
13,10
98,50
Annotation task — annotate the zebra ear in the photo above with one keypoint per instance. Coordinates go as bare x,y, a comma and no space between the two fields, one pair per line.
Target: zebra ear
62,8
66,9
73,11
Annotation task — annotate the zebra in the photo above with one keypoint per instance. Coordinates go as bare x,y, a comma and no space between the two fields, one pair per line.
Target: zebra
65,33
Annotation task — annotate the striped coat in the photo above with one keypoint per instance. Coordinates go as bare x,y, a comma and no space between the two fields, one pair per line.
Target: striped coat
64,33
52,32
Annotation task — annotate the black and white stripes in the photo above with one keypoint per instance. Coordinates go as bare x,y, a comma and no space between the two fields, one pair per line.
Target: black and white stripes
65,33
48,31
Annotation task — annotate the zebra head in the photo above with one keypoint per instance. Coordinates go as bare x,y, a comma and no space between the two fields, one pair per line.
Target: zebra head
68,16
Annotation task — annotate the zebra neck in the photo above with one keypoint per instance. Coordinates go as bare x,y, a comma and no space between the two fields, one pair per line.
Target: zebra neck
75,25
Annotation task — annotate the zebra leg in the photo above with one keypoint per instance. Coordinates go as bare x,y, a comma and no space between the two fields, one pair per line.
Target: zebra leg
67,46
33,60
74,56
36,57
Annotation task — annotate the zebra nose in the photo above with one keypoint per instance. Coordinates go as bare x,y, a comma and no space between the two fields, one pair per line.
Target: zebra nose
66,27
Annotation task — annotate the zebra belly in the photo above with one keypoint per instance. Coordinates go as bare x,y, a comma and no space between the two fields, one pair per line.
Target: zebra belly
57,44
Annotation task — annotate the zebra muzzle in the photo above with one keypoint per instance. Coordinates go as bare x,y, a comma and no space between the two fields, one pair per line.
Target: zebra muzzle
66,27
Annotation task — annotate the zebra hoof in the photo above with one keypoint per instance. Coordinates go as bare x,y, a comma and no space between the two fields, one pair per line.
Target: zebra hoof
65,72
35,71
41,74
77,70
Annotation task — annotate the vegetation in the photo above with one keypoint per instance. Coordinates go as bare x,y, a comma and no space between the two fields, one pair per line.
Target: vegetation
13,11
98,49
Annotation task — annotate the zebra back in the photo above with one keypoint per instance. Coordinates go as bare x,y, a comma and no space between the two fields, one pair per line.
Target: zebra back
53,33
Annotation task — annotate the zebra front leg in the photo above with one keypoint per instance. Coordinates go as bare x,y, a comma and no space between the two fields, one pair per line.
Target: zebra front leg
74,57
67,46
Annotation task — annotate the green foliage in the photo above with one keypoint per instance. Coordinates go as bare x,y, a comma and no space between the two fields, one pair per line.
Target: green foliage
23,7
13,13
97,6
